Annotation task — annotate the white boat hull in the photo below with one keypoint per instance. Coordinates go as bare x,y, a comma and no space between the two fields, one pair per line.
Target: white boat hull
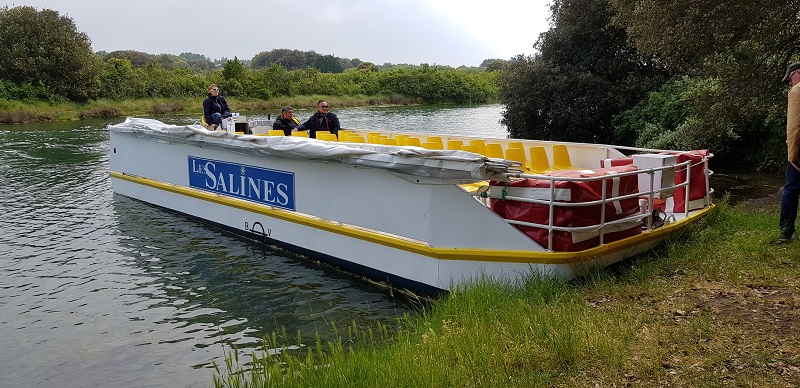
424,236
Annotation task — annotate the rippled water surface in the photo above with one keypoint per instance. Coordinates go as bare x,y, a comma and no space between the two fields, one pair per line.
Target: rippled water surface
97,289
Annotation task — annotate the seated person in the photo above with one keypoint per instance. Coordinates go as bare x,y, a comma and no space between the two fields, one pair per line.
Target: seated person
321,120
215,108
286,122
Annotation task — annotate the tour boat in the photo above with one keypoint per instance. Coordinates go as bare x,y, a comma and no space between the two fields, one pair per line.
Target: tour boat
416,211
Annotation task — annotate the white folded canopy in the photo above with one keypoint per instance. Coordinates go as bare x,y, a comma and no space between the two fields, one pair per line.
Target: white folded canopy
414,164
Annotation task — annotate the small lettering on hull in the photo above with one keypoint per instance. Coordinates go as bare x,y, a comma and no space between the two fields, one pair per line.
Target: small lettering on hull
260,233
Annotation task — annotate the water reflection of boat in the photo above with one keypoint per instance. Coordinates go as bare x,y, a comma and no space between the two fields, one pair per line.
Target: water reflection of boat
420,212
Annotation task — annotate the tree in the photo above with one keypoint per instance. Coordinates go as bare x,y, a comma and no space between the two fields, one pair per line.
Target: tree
345,63
734,52
136,58
494,64
367,67
197,61
42,47
687,33
289,59
170,62
236,77
234,69
584,74
260,61
328,64
118,78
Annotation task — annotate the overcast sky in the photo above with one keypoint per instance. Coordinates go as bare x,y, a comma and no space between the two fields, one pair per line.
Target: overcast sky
442,32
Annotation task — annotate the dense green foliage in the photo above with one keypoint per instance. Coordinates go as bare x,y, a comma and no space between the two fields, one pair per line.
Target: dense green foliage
122,80
44,48
584,74
659,73
728,58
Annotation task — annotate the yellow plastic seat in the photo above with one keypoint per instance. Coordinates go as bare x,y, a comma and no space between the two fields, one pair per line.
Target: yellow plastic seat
349,136
300,133
355,139
371,137
276,132
454,144
326,136
343,133
480,144
561,158
471,148
494,150
516,144
400,139
539,163
205,124
387,141
431,145
376,139
517,155
437,140
322,133
413,141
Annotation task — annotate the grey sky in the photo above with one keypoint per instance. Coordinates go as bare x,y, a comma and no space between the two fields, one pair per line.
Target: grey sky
443,32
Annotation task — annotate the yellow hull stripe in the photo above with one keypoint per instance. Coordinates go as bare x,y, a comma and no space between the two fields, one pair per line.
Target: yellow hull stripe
414,246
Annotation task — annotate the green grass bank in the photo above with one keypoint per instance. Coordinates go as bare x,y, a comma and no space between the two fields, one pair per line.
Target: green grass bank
717,306
17,112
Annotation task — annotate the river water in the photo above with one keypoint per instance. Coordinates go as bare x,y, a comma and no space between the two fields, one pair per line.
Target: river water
99,290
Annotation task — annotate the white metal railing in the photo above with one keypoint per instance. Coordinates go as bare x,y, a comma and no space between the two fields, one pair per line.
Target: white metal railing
641,216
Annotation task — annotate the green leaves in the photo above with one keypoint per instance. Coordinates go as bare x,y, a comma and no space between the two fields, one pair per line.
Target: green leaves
584,74
44,47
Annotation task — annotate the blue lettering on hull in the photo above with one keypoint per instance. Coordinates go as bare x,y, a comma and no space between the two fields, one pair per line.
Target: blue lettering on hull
270,187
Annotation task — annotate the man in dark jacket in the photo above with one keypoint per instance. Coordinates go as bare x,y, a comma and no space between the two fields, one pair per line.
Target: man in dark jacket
286,122
321,120
215,107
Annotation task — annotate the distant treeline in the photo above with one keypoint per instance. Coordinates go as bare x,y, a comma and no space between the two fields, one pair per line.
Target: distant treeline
45,58
119,79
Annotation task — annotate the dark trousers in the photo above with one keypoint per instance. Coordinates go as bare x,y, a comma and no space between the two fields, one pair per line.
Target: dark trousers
216,118
791,192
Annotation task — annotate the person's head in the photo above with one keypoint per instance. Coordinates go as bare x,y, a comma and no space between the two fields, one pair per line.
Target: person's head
792,75
213,89
322,107
287,112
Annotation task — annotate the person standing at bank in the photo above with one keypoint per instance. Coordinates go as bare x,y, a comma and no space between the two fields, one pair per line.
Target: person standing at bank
791,190
215,108
286,122
321,120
